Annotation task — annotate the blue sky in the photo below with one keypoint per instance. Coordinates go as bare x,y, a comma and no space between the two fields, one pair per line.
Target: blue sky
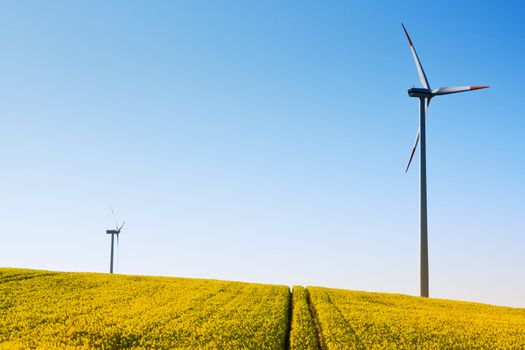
264,142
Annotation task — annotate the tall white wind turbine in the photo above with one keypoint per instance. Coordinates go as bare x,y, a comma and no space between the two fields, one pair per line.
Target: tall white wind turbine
425,94
114,232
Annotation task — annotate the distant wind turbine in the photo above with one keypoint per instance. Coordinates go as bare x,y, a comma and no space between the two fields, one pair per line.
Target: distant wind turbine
425,94
114,232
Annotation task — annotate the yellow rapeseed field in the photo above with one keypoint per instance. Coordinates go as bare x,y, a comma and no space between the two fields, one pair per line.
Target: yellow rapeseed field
359,320
57,310
46,310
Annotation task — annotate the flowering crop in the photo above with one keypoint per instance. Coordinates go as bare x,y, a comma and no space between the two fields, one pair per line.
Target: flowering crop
358,320
40,309
56,310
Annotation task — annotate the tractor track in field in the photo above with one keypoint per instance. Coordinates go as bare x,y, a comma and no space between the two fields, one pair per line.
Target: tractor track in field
313,314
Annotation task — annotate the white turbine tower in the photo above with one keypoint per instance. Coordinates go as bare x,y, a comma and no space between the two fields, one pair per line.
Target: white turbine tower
425,94
114,232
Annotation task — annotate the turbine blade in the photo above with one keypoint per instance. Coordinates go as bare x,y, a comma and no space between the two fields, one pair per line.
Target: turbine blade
121,226
454,89
413,151
114,218
417,137
422,77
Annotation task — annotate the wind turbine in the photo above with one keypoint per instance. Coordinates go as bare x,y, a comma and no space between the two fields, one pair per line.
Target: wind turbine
425,94
114,232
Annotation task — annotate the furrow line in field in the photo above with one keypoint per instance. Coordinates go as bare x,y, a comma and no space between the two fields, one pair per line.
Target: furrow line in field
290,319
317,327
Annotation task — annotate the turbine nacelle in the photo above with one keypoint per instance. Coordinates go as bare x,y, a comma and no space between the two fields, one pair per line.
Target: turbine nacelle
419,92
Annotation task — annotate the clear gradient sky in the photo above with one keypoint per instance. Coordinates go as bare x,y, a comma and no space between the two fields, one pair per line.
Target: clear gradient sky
265,141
